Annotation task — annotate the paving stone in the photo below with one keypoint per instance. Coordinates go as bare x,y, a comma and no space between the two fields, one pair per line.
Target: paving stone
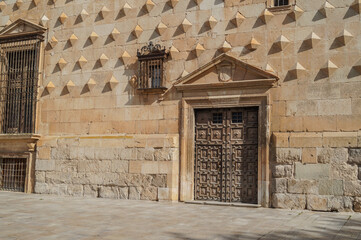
47,217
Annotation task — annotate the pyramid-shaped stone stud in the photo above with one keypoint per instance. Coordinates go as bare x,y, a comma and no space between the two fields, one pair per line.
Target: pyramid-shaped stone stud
186,25
173,51
73,39
329,68
149,5
198,2
238,19
62,63
83,14
344,37
18,3
93,37
266,16
226,47
44,21
325,7
125,57
297,13
82,61
113,82
91,84
282,42
253,44
297,70
53,42
137,31
356,6
2,5
270,69
312,40
63,17
212,22
161,28
103,59
50,87
69,86
184,73
126,8
199,49
114,34
357,66
104,12
173,3
36,2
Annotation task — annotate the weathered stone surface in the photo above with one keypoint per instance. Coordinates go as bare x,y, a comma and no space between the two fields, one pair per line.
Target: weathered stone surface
330,187
45,165
91,191
312,171
289,201
119,166
280,171
159,181
134,193
344,172
357,205
328,155
302,186
288,155
352,188
359,173
75,190
149,193
355,156
114,192
318,203
279,185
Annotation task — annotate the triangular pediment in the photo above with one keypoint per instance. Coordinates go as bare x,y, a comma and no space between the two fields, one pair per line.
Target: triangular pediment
226,71
22,26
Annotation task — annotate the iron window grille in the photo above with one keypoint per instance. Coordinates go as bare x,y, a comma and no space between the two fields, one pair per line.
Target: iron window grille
12,174
278,3
151,67
19,73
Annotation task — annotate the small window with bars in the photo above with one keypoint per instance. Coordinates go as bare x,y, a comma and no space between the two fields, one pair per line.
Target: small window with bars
12,174
19,70
278,3
150,67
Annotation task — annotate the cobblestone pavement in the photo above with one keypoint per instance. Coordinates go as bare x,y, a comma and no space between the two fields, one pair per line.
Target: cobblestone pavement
44,217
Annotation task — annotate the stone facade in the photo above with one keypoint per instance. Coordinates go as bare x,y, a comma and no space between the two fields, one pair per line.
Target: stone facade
101,137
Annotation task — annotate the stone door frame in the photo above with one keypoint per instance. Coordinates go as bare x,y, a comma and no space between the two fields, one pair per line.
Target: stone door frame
187,131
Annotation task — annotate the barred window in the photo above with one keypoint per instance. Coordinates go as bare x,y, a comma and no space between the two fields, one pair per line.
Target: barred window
19,70
150,67
281,3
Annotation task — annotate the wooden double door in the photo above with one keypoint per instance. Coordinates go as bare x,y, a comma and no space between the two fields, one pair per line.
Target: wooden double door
226,155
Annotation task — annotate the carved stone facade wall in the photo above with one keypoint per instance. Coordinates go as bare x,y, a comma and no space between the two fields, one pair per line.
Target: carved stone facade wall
101,137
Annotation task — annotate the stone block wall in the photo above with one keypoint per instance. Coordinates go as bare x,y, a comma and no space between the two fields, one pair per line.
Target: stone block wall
316,171
124,167
315,110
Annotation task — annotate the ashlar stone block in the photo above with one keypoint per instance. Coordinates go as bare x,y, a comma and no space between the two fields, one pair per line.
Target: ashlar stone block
312,171
289,201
